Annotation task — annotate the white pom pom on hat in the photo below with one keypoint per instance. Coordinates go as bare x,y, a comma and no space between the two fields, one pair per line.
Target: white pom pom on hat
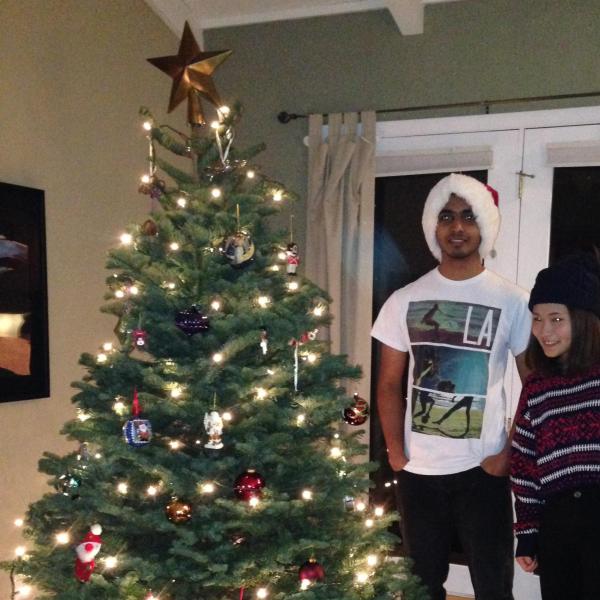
483,200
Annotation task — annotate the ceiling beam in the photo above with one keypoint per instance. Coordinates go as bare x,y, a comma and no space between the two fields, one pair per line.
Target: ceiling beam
408,14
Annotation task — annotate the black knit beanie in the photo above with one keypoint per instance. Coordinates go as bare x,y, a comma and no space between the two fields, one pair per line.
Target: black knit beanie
574,282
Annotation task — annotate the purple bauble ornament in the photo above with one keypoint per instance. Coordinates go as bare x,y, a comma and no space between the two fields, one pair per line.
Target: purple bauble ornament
192,321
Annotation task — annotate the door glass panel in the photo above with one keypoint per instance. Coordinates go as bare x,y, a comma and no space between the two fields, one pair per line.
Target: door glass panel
575,211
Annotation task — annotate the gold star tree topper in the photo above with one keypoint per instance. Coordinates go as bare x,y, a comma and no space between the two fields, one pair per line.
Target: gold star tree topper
191,71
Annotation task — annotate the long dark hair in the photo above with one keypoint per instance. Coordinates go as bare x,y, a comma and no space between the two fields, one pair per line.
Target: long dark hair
583,354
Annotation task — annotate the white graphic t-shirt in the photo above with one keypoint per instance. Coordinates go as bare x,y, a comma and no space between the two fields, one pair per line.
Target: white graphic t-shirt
458,335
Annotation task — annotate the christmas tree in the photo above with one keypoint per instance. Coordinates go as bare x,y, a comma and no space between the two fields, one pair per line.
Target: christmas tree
211,460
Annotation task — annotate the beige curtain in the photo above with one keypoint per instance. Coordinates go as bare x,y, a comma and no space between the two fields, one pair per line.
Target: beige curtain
339,220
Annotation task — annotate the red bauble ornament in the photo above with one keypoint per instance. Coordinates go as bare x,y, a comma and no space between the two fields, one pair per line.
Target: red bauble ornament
358,412
249,485
311,571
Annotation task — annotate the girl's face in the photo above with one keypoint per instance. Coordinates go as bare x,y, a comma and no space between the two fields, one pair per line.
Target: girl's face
552,329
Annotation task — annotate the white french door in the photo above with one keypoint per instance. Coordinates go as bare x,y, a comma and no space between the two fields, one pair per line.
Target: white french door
521,152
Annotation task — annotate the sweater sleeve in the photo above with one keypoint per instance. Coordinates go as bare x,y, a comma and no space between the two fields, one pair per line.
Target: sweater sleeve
525,481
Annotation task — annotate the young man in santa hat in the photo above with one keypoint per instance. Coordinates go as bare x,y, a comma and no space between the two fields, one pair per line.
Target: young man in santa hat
452,482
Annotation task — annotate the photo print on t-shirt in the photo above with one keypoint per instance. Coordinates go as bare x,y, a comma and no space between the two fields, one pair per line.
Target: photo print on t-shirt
451,344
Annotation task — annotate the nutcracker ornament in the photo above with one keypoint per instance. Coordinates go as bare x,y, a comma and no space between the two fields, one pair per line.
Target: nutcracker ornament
264,340
86,552
292,258
213,423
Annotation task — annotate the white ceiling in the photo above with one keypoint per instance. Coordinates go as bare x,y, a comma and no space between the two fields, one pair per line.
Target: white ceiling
208,14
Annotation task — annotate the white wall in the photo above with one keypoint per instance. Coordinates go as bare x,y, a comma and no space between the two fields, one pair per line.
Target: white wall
73,74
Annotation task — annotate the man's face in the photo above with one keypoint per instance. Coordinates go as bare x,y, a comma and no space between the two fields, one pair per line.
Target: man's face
457,231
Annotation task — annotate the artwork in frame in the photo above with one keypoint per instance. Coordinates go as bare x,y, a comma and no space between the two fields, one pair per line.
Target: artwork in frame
24,364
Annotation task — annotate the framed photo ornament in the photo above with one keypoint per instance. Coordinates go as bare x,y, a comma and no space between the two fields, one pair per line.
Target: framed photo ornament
24,363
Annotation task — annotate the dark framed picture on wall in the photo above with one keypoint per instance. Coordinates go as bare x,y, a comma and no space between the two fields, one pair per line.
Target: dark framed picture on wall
24,364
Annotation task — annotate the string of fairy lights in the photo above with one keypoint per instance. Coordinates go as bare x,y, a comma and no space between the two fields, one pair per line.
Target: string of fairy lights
176,391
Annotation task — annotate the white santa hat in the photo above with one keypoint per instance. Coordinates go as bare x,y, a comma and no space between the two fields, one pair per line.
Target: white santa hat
483,200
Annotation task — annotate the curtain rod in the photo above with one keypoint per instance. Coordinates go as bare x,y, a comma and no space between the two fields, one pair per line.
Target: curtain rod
285,117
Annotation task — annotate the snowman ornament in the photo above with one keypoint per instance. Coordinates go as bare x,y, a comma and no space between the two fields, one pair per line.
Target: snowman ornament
86,552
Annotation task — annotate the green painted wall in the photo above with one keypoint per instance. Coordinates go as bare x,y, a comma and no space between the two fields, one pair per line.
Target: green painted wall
471,50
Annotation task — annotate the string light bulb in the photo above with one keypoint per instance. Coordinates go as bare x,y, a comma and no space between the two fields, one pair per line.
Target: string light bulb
62,537
336,452
263,301
110,562
361,577
174,246
126,239
119,294
307,495
107,346
250,174
175,444
369,523
147,125
217,357
215,193
262,593
300,419
361,506
226,416
215,305
19,522
318,311
379,512
176,392
119,407
145,179
122,488
277,195
181,202
152,490
23,591
293,286
20,551
261,393
101,358
254,502
311,357
207,488
134,290
372,560
224,110
215,125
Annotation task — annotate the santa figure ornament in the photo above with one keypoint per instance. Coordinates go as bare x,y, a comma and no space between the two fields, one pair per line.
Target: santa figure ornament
86,552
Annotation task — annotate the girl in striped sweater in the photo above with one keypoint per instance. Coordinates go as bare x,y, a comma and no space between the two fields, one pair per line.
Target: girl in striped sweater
555,460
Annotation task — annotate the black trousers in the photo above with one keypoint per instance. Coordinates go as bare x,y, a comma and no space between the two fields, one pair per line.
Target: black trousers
569,546
476,506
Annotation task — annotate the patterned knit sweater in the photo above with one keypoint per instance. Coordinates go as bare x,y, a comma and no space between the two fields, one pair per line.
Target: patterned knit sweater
556,446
